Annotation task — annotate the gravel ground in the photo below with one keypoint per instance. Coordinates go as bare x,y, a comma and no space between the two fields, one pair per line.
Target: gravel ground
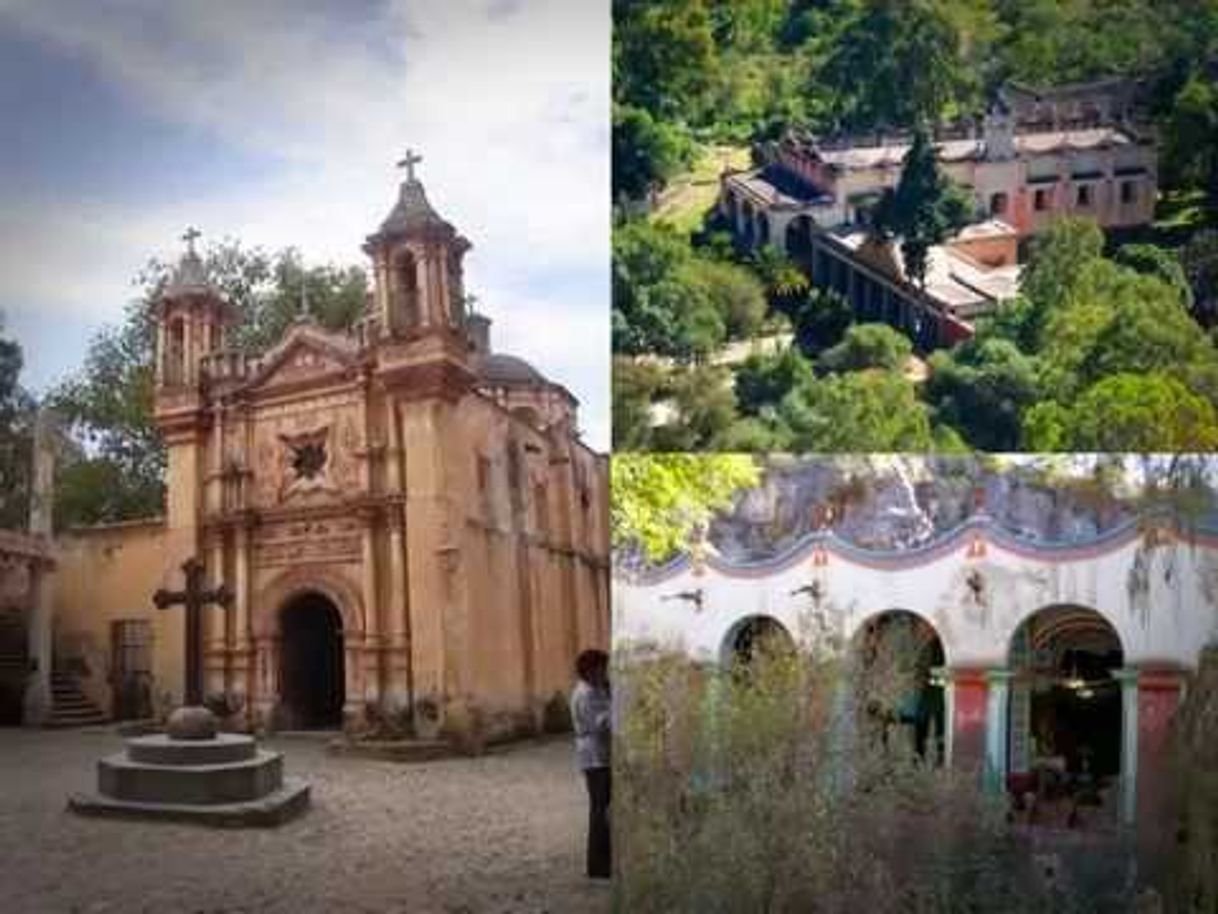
502,833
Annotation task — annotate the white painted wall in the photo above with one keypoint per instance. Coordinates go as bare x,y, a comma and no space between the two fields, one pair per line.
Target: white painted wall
1167,621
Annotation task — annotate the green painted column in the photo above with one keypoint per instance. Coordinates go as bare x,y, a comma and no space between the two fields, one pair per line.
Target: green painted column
998,705
1128,678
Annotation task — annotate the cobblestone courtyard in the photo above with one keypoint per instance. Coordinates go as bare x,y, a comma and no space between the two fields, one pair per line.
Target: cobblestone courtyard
502,833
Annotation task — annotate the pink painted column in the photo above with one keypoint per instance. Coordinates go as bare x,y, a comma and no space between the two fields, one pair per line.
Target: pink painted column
1160,690
967,707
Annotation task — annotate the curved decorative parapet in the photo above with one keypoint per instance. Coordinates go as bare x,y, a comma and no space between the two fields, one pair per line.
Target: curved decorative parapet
1152,578
980,528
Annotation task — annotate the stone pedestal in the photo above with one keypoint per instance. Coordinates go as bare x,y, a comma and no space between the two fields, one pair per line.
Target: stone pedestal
225,780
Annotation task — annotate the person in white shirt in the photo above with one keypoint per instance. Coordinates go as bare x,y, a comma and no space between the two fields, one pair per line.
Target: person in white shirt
590,716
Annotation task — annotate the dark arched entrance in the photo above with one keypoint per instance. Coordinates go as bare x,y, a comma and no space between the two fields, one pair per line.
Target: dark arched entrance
311,663
754,638
1065,718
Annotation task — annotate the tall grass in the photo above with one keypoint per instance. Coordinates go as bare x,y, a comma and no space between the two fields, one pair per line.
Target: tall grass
784,785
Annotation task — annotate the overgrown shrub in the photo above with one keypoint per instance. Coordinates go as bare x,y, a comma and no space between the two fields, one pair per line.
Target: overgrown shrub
783,785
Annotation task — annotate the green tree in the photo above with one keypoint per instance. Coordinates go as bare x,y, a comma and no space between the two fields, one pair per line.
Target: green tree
1125,412
982,388
16,438
1058,259
868,346
896,63
1199,258
857,412
763,380
737,294
705,408
663,55
820,317
660,499
1158,262
925,209
1192,137
646,313
636,386
646,153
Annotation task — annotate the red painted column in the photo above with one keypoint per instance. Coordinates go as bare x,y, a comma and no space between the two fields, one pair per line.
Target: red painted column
969,695
1159,692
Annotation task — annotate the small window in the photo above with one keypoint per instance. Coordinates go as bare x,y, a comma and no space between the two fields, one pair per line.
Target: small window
1129,191
998,204
1041,201
1084,195
484,473
542,505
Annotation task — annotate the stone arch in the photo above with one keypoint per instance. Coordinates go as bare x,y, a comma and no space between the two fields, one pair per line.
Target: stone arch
297,582
897,657
404,287
798,239
1064,726
749,229
744,635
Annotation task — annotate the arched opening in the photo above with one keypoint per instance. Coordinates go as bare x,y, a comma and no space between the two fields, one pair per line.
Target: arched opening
898,657
750,223
733,213
1064,723
998,204
754,638
312,672
405,296
763,229
175,358
799,239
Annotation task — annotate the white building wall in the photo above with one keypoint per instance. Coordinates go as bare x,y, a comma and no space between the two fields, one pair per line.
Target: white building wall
1160,599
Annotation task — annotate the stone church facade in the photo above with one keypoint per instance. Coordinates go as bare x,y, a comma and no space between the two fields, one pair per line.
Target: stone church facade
412,531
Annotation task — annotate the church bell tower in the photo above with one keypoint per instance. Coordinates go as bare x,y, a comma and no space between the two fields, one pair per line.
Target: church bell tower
417,266
192,320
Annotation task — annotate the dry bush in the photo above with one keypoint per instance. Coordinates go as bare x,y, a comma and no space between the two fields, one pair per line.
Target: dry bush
767,789
1192,848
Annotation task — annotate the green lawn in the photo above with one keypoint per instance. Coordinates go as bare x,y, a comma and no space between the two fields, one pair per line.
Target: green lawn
685,201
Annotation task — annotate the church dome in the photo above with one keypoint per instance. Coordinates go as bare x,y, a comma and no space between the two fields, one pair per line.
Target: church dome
412,212
190,276
501,370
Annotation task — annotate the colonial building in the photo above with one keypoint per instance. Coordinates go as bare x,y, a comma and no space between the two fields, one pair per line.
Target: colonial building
1028,654
1077,151
410,527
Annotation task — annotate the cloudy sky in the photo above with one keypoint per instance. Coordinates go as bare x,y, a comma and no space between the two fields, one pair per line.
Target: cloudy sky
278,122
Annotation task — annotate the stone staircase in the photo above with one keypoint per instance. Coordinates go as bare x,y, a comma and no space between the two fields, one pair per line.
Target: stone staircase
70,707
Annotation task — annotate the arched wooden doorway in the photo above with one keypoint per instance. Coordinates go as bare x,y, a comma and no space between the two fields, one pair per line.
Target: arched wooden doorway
312,674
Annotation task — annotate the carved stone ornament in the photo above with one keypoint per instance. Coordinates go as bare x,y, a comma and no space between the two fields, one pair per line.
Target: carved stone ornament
305,462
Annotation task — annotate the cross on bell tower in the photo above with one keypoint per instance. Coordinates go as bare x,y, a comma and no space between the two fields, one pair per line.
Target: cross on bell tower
409,161
416,257
189,237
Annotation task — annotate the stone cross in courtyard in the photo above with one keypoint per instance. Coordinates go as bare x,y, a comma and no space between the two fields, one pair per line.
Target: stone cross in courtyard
410,160
194,596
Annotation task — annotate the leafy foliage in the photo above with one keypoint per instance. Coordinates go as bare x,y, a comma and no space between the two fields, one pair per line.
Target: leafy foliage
924,210
16,439
659,499
868,346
